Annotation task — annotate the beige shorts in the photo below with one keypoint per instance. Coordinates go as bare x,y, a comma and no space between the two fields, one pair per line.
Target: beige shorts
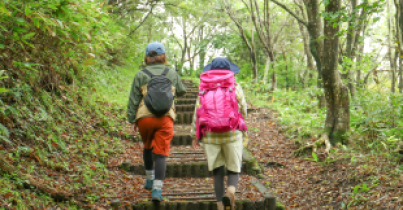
228,155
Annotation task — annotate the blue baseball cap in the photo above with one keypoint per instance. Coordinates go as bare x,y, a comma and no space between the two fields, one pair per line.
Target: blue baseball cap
221,63
155,46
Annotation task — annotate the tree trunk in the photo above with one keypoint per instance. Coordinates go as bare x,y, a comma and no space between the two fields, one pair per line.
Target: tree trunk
308,54
249,43
266,70
391,59
274,81
359,59
253,56
400,74
315,43
314,29
202,53
351,33
399,11
185,45
253,63
337,96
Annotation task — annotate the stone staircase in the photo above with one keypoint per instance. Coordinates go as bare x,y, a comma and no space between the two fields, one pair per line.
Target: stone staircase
185,162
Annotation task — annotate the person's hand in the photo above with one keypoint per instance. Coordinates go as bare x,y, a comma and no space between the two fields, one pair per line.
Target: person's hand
195,144
135,129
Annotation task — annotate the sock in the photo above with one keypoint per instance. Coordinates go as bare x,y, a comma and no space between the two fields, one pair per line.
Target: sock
157,184
150,175
220,206
231,189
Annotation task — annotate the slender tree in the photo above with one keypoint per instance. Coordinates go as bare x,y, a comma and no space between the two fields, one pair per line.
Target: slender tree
399,34
243,34
390,51
336,93
309,59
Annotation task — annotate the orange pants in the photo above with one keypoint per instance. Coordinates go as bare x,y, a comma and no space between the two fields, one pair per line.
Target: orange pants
156,133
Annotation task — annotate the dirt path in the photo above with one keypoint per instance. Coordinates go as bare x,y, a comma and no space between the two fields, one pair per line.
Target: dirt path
305,184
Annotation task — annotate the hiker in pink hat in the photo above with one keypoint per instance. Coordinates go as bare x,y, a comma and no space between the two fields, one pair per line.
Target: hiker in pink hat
219,123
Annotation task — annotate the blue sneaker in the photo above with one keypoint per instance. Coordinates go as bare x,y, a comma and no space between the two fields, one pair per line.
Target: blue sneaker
149,184
156,194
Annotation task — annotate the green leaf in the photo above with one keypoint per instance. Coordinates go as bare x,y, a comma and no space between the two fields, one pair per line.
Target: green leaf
28,11
4,10
376,19
28,36
20,20
2,46
5,139
3,90
4,131
29,44
356,188
315,157
335,24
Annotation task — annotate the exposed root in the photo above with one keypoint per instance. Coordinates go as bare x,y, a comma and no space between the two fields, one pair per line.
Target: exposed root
324,139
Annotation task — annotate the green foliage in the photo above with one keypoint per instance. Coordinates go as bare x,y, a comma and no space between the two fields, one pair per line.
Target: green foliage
375,127
356,198
46,42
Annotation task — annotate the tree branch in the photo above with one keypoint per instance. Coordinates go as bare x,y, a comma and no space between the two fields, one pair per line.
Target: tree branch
291,12
141,23
177,41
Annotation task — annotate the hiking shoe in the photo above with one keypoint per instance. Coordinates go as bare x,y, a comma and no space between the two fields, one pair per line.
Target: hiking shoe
156,194
149,184
228,201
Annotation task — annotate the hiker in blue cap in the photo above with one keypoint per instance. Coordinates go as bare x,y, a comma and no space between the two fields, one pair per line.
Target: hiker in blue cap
217,108
151,111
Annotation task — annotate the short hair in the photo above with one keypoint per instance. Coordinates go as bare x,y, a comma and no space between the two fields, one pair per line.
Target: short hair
153,58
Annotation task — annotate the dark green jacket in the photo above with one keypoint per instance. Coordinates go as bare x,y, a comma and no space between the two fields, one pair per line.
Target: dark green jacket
140,82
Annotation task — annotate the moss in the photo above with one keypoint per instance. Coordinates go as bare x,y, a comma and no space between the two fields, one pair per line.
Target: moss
280,206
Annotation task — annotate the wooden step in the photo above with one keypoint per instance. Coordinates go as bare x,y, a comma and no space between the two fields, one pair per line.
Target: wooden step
195,169
181,139
192,89
188,97
192,93
185,108
201,196
185,101
199,204
184,118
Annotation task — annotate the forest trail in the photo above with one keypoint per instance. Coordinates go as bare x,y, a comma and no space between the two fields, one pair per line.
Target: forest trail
188,183
270,172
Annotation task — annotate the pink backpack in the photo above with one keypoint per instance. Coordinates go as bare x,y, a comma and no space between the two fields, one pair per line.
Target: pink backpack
218,111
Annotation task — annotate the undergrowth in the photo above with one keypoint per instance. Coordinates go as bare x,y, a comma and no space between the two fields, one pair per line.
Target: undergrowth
68,134
375,117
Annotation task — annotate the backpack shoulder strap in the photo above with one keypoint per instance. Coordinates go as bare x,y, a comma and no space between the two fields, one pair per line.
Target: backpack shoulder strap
165,72
148,73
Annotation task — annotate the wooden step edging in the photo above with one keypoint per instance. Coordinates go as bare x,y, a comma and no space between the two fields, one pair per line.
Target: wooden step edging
182,101
181,140
188,169
184,117
185,108
266,202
